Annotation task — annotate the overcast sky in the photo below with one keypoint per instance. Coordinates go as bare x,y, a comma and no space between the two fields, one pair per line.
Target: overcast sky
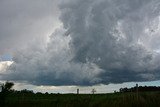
65,43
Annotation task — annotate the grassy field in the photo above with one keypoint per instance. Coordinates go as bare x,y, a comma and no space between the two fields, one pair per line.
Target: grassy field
145,99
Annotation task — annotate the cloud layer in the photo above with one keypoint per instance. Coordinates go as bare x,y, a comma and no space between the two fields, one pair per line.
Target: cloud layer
25,22
100,42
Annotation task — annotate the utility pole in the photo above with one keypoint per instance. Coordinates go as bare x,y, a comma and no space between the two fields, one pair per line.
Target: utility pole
93,91
77,91
137,90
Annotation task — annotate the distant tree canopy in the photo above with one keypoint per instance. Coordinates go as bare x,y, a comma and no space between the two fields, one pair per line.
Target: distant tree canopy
140,89
26,91
7,86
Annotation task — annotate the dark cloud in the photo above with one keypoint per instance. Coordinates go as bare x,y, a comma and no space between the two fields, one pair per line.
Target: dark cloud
101,42
112,35
52,66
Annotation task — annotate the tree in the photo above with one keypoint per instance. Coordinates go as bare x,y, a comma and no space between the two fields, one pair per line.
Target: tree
7,86
5,89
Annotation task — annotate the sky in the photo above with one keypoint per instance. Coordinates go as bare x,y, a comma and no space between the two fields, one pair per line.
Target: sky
62,45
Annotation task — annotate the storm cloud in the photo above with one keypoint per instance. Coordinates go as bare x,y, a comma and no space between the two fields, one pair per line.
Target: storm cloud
99,42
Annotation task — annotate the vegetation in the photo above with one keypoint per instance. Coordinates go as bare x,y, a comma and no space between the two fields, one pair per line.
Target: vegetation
5,90
141,89
27,98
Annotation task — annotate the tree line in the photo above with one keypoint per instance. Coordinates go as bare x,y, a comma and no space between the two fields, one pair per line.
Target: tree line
140,89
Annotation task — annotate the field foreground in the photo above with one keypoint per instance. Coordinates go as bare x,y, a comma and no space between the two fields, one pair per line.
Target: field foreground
145,99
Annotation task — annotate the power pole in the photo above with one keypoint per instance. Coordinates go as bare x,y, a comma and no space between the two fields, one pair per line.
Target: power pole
137,90
93,91
77,91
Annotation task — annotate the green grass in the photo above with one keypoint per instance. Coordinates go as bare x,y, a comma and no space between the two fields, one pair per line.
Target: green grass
145,99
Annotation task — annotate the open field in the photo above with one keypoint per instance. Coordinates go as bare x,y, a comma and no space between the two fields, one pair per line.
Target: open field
145,99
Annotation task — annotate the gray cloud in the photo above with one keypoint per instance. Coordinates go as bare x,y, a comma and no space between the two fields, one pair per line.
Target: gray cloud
52,66
24,22
115,32
101,42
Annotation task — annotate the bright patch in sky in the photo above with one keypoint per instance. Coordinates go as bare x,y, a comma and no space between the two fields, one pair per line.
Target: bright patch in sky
4,65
